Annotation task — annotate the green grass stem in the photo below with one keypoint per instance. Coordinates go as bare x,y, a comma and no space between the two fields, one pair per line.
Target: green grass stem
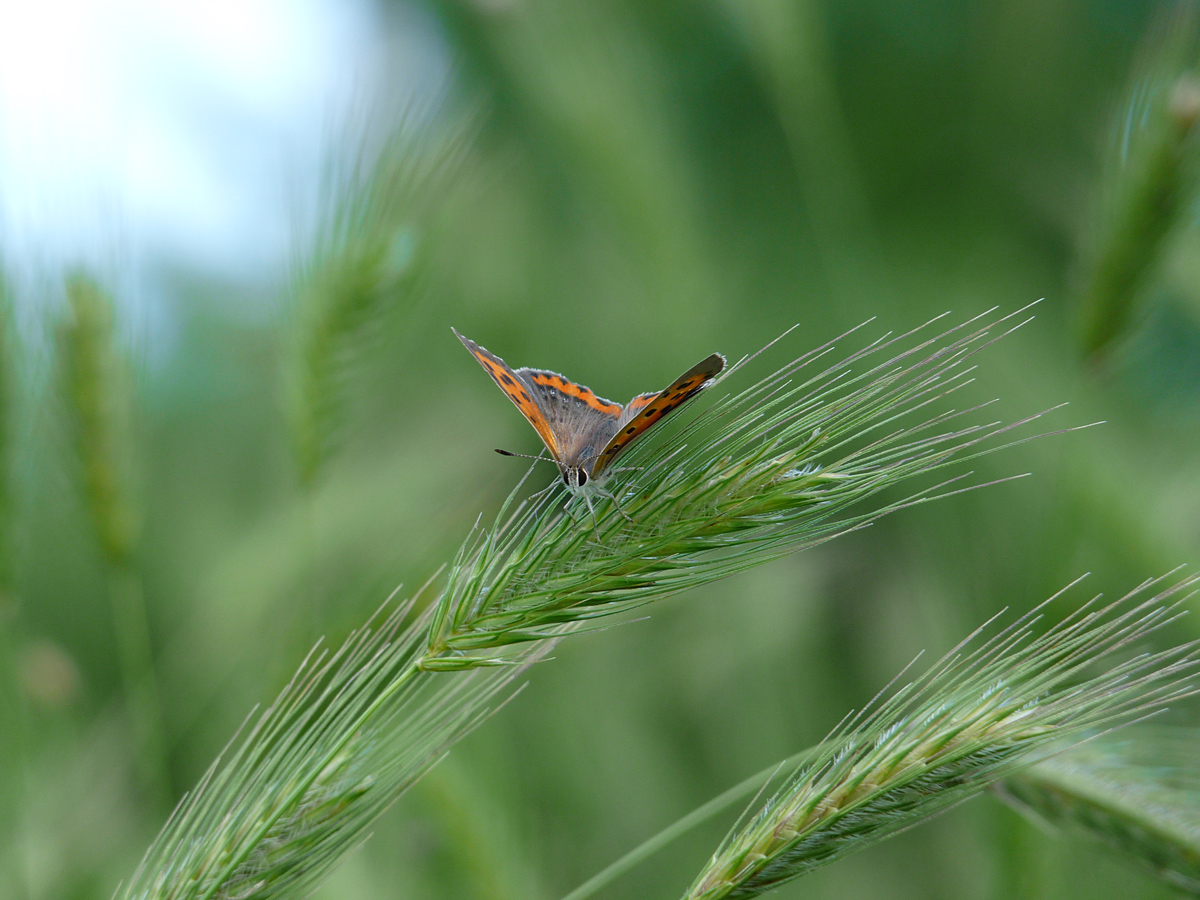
739,793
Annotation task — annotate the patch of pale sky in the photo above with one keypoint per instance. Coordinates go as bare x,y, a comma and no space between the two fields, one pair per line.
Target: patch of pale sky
138,131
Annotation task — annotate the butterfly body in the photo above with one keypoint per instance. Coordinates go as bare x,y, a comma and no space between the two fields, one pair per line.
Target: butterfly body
584,432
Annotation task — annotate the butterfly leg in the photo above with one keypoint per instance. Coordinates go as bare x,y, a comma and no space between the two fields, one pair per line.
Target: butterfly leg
595,522
567,512
577,523
617,505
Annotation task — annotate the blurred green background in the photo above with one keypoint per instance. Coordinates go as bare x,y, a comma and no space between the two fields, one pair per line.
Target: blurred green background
612,190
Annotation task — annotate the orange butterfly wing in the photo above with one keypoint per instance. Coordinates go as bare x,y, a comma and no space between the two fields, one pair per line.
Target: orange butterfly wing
510,383
646,410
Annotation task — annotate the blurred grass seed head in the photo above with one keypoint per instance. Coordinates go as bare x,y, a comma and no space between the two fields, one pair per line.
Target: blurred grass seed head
1150,179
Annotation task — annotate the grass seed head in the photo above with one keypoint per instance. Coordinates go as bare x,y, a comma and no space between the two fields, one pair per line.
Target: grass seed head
976,718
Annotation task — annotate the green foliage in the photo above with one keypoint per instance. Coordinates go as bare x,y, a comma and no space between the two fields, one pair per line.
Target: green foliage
637,185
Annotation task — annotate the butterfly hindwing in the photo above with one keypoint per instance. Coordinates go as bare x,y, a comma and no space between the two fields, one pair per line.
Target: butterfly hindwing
646,410
637,404
518,391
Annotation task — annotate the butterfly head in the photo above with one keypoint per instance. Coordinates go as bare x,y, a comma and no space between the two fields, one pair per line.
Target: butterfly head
575,477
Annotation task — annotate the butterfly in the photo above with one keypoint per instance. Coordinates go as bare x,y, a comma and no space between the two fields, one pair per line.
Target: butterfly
583,432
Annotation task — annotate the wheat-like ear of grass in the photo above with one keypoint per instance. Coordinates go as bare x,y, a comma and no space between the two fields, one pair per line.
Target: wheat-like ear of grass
350,732
1136,791
986,709
772,469
96,382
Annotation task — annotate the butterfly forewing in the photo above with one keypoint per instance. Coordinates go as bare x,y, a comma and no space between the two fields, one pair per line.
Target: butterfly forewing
518,391
646,410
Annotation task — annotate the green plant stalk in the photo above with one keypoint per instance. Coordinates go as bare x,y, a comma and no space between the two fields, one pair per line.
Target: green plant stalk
1062,790
137,671
138,679
697,817
1021,853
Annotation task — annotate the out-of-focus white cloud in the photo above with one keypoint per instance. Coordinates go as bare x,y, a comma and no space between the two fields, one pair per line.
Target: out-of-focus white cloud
153,128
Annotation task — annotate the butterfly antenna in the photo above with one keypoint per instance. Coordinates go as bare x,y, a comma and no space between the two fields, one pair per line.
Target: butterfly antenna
523,455
551,486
